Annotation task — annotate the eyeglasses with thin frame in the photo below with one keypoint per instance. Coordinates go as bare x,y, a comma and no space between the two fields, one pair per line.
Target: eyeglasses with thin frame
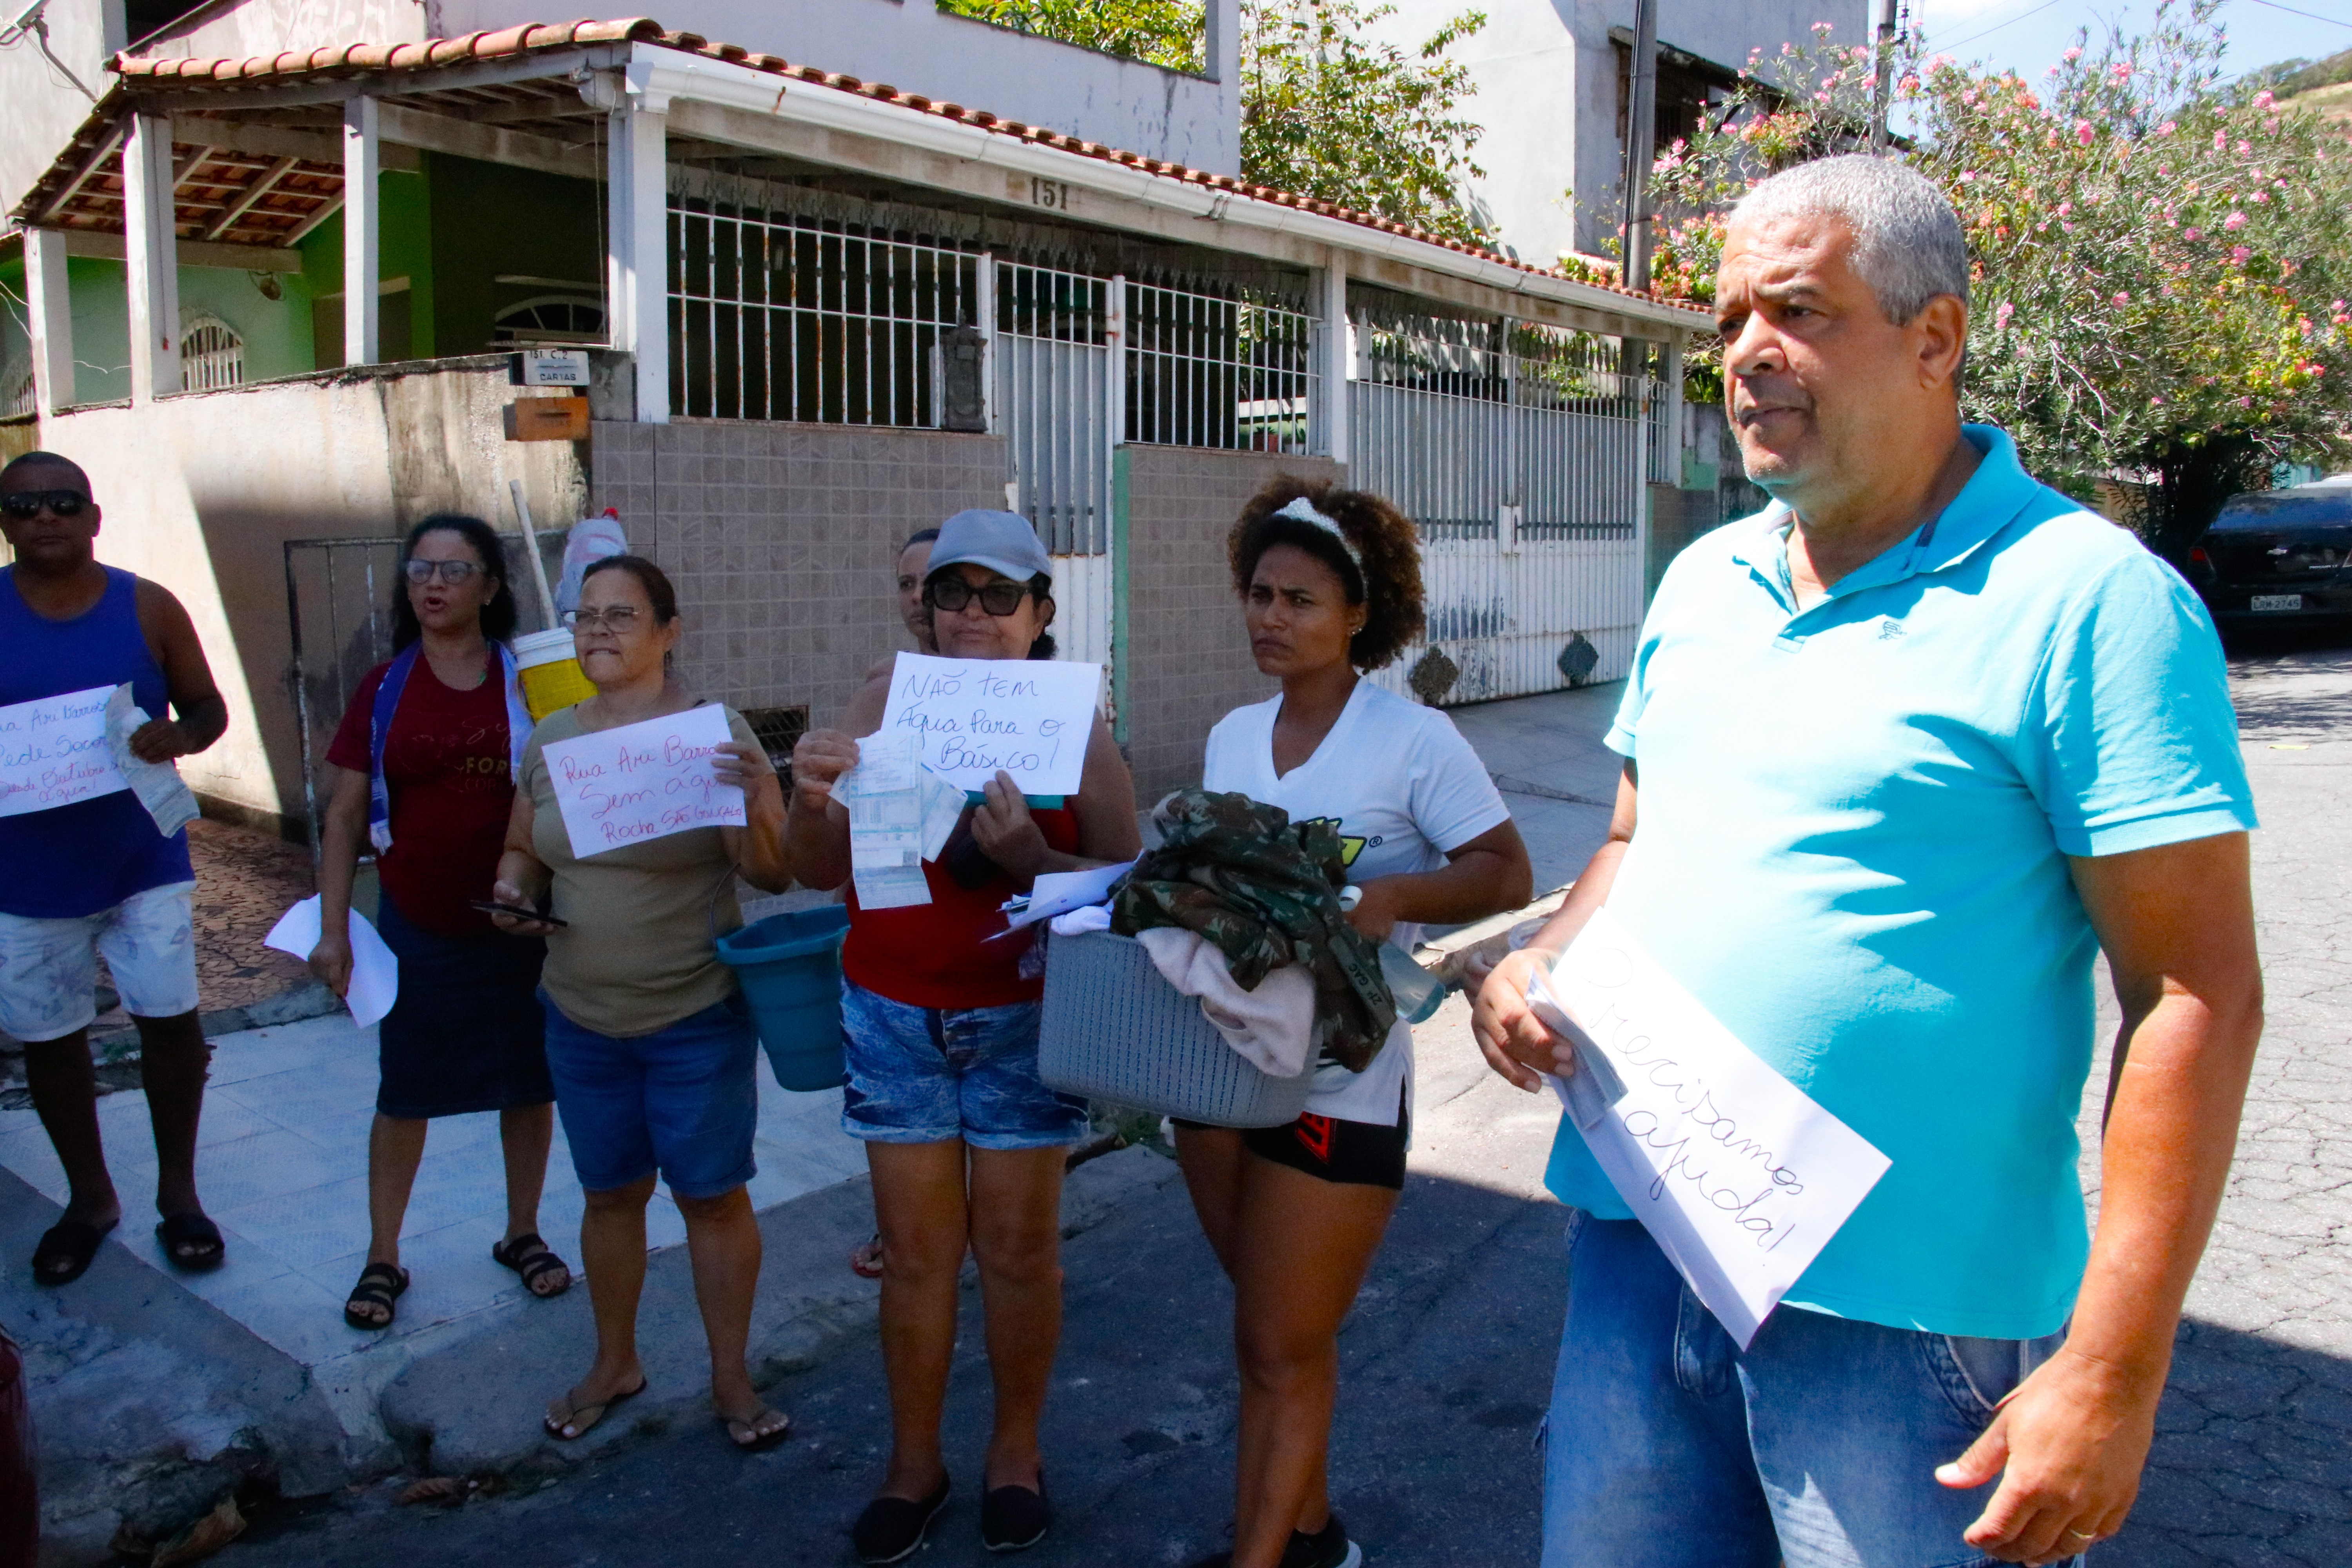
25,504
453,573
620,618
998,598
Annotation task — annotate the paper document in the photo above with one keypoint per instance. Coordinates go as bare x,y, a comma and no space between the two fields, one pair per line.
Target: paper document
1740,1176
158,785
975,717
53,752
375,972
1059,892
643,781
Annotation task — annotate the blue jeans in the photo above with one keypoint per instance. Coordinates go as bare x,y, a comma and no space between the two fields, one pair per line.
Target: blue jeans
684,1100
924,1075
1668,1446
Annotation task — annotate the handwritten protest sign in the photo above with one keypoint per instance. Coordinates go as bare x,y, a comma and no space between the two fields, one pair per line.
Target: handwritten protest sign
643,781
1739,1176
1029,718
53,752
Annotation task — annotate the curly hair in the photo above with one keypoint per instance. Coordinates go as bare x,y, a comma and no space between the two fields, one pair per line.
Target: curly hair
1388,586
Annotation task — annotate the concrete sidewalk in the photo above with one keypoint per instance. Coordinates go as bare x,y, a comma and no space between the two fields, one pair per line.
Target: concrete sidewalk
156,1391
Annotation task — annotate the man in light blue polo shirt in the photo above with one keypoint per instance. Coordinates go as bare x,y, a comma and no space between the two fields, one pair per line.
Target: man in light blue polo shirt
1905,750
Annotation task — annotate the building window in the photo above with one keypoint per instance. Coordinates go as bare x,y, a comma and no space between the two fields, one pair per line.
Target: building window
550,318
17,395
210,355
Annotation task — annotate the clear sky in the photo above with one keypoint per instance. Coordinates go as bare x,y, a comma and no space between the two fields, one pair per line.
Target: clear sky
2029,34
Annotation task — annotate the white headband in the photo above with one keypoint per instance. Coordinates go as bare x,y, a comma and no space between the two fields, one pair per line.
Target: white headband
1302,510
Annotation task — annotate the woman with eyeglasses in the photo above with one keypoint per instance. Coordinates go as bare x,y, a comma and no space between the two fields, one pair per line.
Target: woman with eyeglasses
421,769
650,1045
939,1015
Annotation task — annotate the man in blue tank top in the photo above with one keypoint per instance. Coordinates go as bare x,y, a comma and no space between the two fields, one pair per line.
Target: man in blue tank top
94,875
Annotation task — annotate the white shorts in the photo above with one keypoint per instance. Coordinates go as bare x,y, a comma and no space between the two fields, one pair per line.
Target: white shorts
49,968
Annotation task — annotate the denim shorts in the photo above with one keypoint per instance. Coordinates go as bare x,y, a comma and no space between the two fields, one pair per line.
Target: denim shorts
683,1100
1668,1446
48,967
924,1075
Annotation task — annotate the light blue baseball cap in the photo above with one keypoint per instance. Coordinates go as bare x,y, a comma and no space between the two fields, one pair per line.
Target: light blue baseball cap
1001,540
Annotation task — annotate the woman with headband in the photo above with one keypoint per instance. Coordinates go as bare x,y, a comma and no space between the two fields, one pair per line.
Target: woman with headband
1330,586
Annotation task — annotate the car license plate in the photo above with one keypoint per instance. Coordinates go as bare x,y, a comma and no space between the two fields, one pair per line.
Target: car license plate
2278,601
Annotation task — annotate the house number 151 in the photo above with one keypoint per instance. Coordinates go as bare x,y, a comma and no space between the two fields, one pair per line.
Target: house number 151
1049,194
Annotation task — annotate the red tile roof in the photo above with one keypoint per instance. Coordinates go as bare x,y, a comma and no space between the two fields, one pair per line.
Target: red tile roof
154,73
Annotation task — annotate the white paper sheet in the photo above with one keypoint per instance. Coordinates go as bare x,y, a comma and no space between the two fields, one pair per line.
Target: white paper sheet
375,972
1058,892
1029,718
643,781
1741,1176
890,887
53,752
158,785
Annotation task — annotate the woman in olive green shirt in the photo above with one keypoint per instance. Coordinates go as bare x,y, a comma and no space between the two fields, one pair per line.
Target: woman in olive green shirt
651,1049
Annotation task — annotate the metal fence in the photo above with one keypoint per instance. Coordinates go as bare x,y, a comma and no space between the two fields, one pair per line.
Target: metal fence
776,315
1223,371
1518,449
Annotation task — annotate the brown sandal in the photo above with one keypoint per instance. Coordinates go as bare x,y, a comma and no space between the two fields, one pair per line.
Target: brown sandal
532,1258
579,1420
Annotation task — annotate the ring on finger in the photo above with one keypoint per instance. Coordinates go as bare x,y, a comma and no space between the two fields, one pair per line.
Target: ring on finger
2084,1534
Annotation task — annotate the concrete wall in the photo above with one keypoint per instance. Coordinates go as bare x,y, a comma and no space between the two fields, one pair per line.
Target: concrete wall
1189,660
266,27
201,490
916,49
40,107
782,541
1546,96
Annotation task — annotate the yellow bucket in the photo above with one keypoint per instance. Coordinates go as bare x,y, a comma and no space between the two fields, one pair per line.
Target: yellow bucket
550,667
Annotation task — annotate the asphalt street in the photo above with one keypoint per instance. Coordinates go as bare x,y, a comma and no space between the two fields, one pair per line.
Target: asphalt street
1448,1355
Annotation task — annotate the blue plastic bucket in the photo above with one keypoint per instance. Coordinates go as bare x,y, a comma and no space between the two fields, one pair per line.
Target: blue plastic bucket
790,968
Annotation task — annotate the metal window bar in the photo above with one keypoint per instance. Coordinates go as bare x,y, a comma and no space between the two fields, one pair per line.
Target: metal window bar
1231,372
777,315
210,355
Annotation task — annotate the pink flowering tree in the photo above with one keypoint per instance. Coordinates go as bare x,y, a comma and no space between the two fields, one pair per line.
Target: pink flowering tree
2161,264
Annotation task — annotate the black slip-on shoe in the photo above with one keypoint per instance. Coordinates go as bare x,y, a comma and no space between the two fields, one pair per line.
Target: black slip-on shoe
1012,1519
1327,1547
891,1528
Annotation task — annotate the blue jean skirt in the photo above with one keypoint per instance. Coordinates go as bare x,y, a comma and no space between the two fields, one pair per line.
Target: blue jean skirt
465,1034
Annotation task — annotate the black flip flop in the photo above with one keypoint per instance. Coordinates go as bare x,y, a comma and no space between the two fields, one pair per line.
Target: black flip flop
71,1243
191,1230
380,1285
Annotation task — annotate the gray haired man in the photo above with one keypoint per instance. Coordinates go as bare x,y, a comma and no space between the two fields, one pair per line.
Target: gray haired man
1903,752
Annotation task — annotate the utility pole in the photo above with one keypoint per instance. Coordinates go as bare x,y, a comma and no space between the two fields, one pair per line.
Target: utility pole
1641,135
1884,68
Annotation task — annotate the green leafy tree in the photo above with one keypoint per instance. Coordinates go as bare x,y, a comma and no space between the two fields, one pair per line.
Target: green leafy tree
2160,259
1328,110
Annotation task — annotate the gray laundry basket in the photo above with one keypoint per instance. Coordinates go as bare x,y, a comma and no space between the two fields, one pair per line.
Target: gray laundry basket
1114,1029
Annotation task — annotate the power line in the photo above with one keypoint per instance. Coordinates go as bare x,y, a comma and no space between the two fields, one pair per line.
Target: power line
1997,26
2331,21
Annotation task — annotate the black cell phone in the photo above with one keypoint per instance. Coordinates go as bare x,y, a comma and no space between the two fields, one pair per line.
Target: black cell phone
489,907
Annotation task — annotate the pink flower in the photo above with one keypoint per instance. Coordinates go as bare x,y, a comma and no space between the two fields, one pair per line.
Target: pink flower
2221,141
2168,128
1967,176
2192,234
2234,222
2237,255
2071,56
2001,317
2265,99
2083,132
2335,304
1909,84
2123,70
2262,196
2245,149
2271,125
2066,209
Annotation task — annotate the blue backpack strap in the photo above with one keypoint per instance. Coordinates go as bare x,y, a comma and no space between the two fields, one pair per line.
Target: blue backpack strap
387,701
518,720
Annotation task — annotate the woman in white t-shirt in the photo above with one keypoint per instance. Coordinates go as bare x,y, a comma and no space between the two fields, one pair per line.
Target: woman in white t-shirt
1330,586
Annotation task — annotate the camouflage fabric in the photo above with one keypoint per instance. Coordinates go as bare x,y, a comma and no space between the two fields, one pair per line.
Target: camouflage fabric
1266,892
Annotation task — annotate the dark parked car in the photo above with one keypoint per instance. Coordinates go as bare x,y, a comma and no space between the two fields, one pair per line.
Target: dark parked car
2279,556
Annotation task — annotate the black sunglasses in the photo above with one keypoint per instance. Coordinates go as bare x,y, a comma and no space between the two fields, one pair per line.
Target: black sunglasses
24,504
952,593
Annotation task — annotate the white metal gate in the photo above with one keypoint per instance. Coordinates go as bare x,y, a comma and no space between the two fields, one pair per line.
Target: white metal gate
1520,451
1056,336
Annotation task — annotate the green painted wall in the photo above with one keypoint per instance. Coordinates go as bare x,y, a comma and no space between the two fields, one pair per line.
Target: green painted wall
492,221
404,328
101,329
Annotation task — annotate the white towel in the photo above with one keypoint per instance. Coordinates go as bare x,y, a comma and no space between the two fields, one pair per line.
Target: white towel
1273,1026
1085,918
